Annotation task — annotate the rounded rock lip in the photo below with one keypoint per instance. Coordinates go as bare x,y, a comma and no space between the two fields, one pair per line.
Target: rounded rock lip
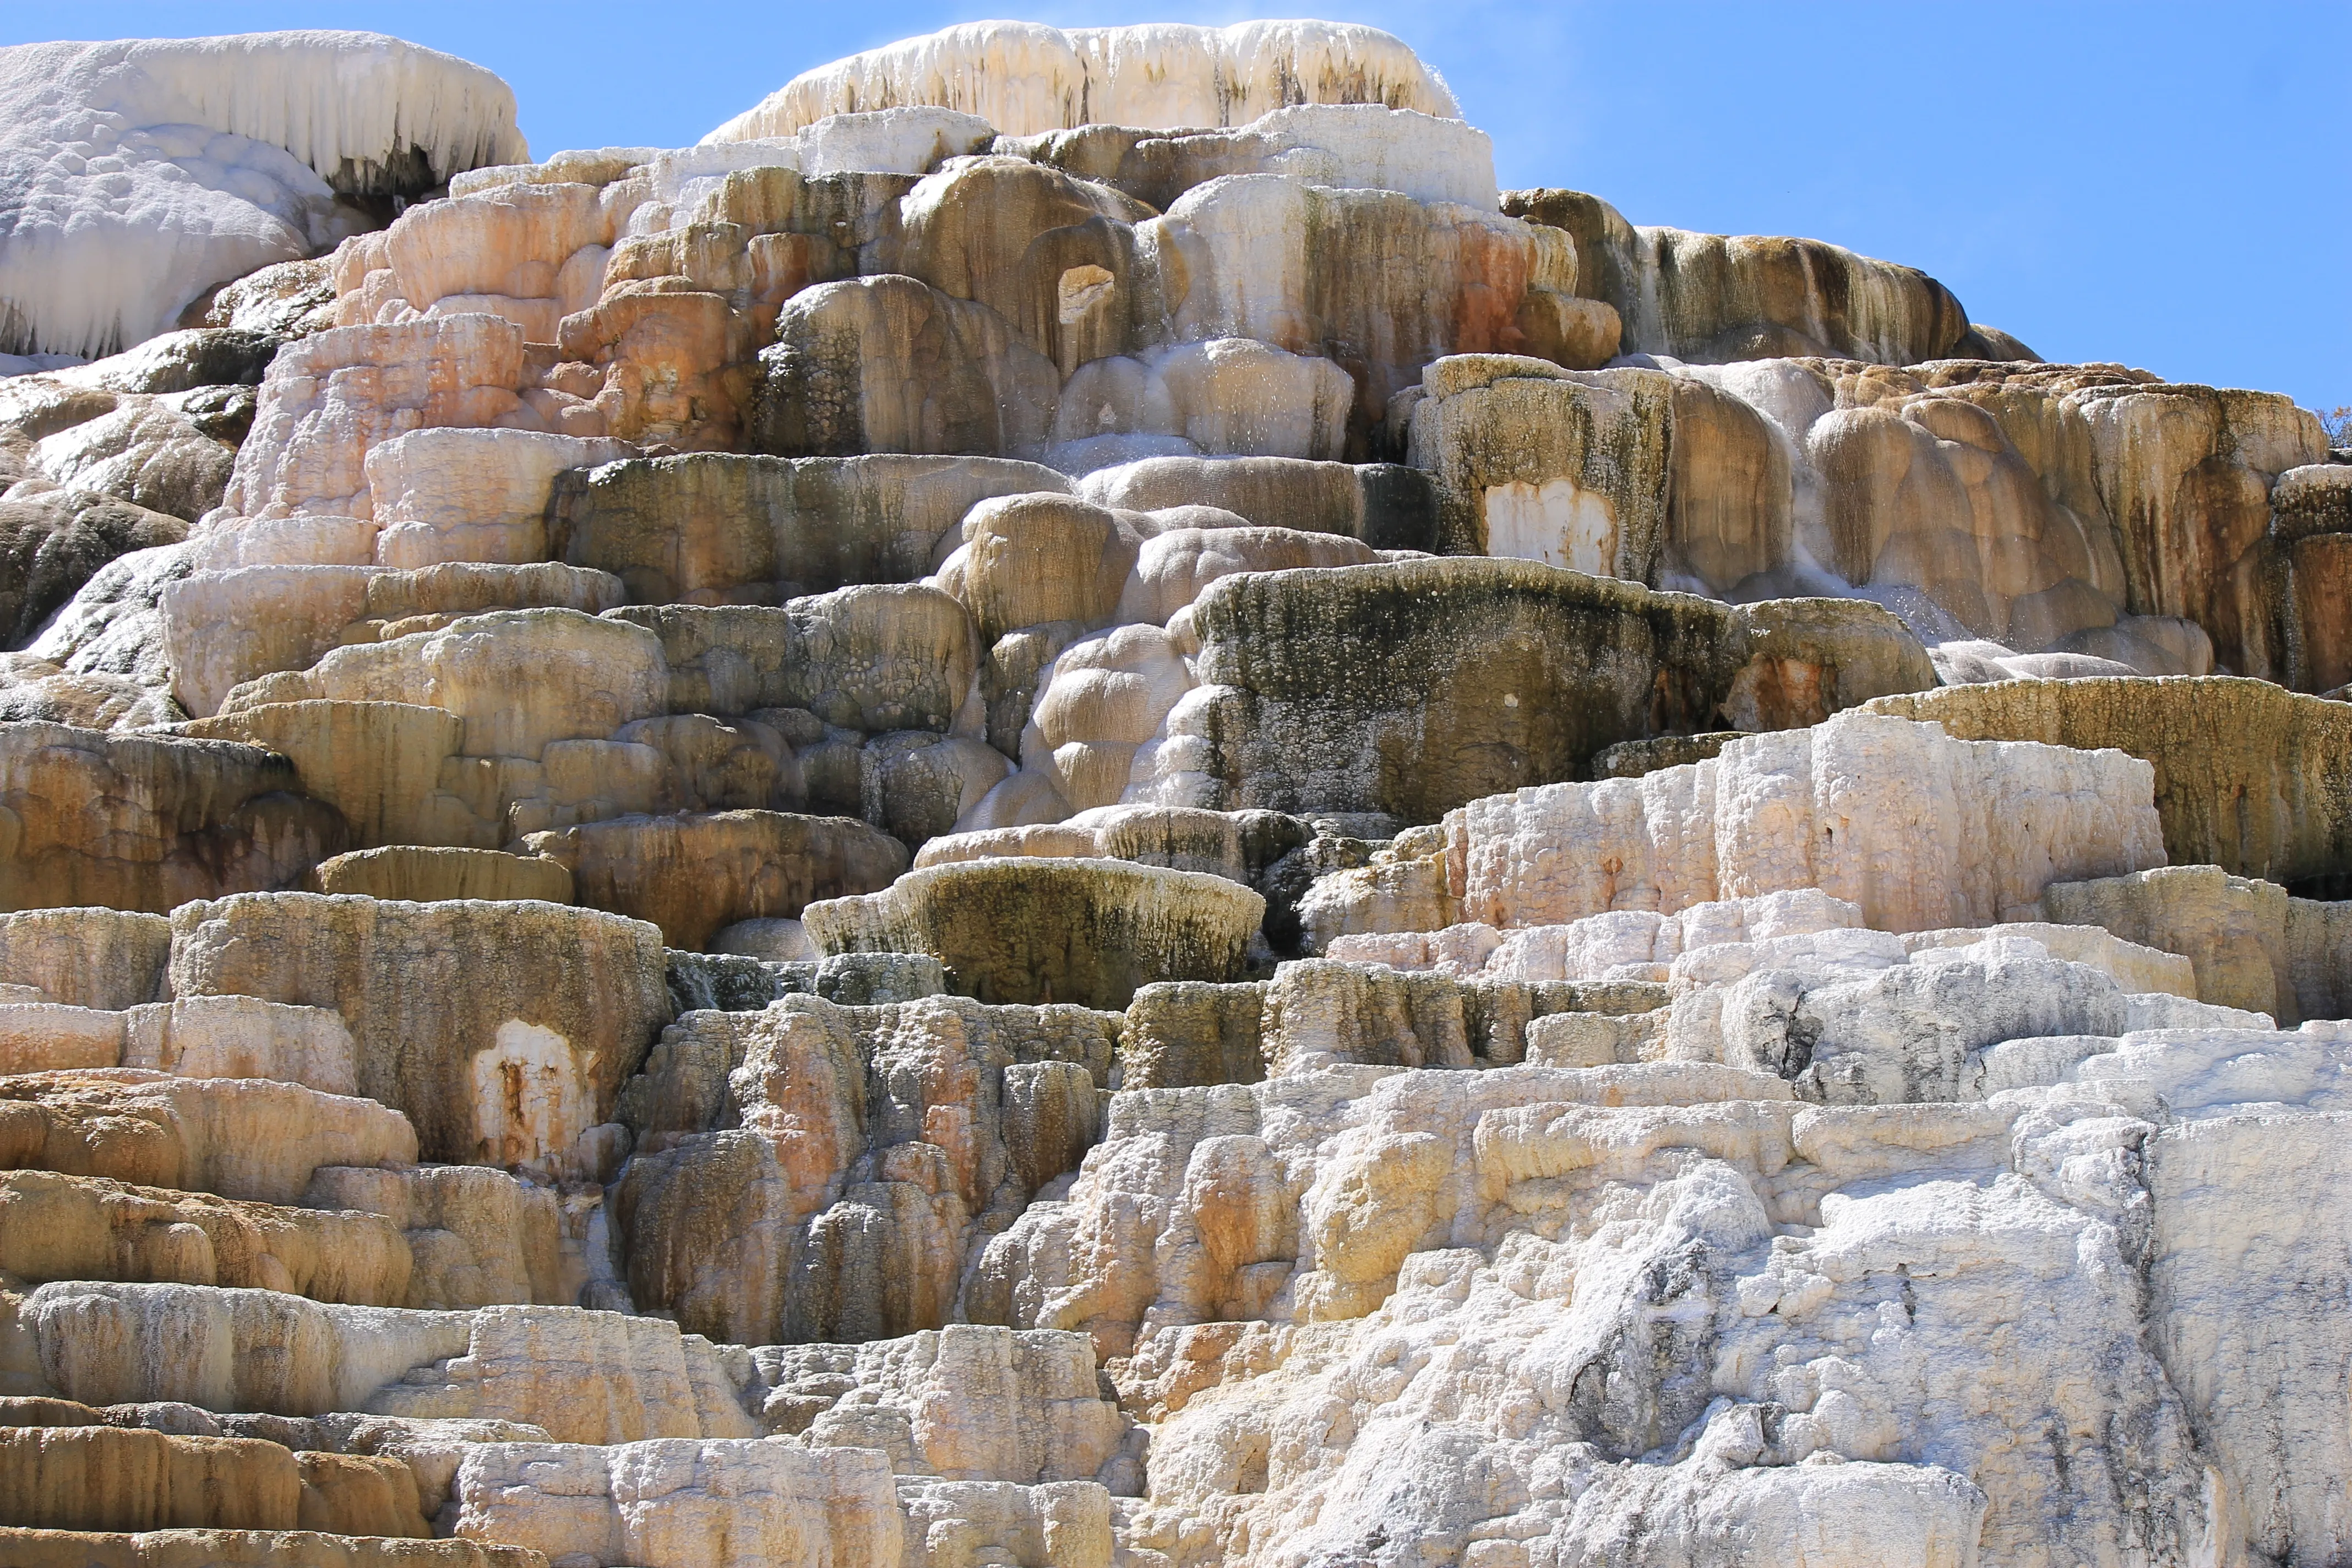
1034,929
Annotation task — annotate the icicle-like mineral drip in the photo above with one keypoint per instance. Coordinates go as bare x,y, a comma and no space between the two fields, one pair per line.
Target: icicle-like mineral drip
1024,78
134,175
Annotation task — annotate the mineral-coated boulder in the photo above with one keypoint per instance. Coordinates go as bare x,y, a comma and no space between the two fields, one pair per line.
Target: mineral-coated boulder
1319,1014
40,1037
1034,931
691,875
50,545
1036,559
386,767
1174,569
242,1037
476,1238
1637,945
817,1173
35,690
224,628
217,354
82,1227
718,528
169,455
1386,505
1710,298
1285,263
1101,706
196,1037
2311,520
1061,1428
108,1478
489,250
891,364
1542,464
1413,686
1352,145
1007,234
2252,945
1828,807
1023,78
232,1137
681,1502
113,628
284,299
1237,846
502,1030
1844,1021
2248,777
896,657
916,785
1632,944
618,1379
140,821
328,399
87,957
420,875
522,680
441,495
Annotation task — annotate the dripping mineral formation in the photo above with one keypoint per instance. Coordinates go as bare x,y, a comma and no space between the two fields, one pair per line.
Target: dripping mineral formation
1062,808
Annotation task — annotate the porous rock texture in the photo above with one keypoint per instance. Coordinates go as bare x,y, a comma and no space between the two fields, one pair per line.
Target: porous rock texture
1063,810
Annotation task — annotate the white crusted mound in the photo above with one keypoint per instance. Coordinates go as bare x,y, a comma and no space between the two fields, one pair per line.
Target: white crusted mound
1023,78
136,175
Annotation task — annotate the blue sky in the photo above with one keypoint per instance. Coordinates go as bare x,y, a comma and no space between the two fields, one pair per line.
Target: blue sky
2167,185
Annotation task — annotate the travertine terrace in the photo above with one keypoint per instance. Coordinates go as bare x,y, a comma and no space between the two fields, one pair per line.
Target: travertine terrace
1063,808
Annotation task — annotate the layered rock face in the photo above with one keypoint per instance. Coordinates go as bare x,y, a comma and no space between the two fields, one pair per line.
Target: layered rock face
1062,809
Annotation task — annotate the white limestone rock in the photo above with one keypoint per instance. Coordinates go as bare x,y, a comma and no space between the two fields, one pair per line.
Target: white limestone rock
1358,146
328,400
471,495
582,1377
86,957
1618,944
41,1037
522,680
1642,944
1791,1156
1023,78
1849,1019
682,1503
1492,1291
911,140
1916,829
244,1036
143,173
1223,397
1099,707
969,1402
